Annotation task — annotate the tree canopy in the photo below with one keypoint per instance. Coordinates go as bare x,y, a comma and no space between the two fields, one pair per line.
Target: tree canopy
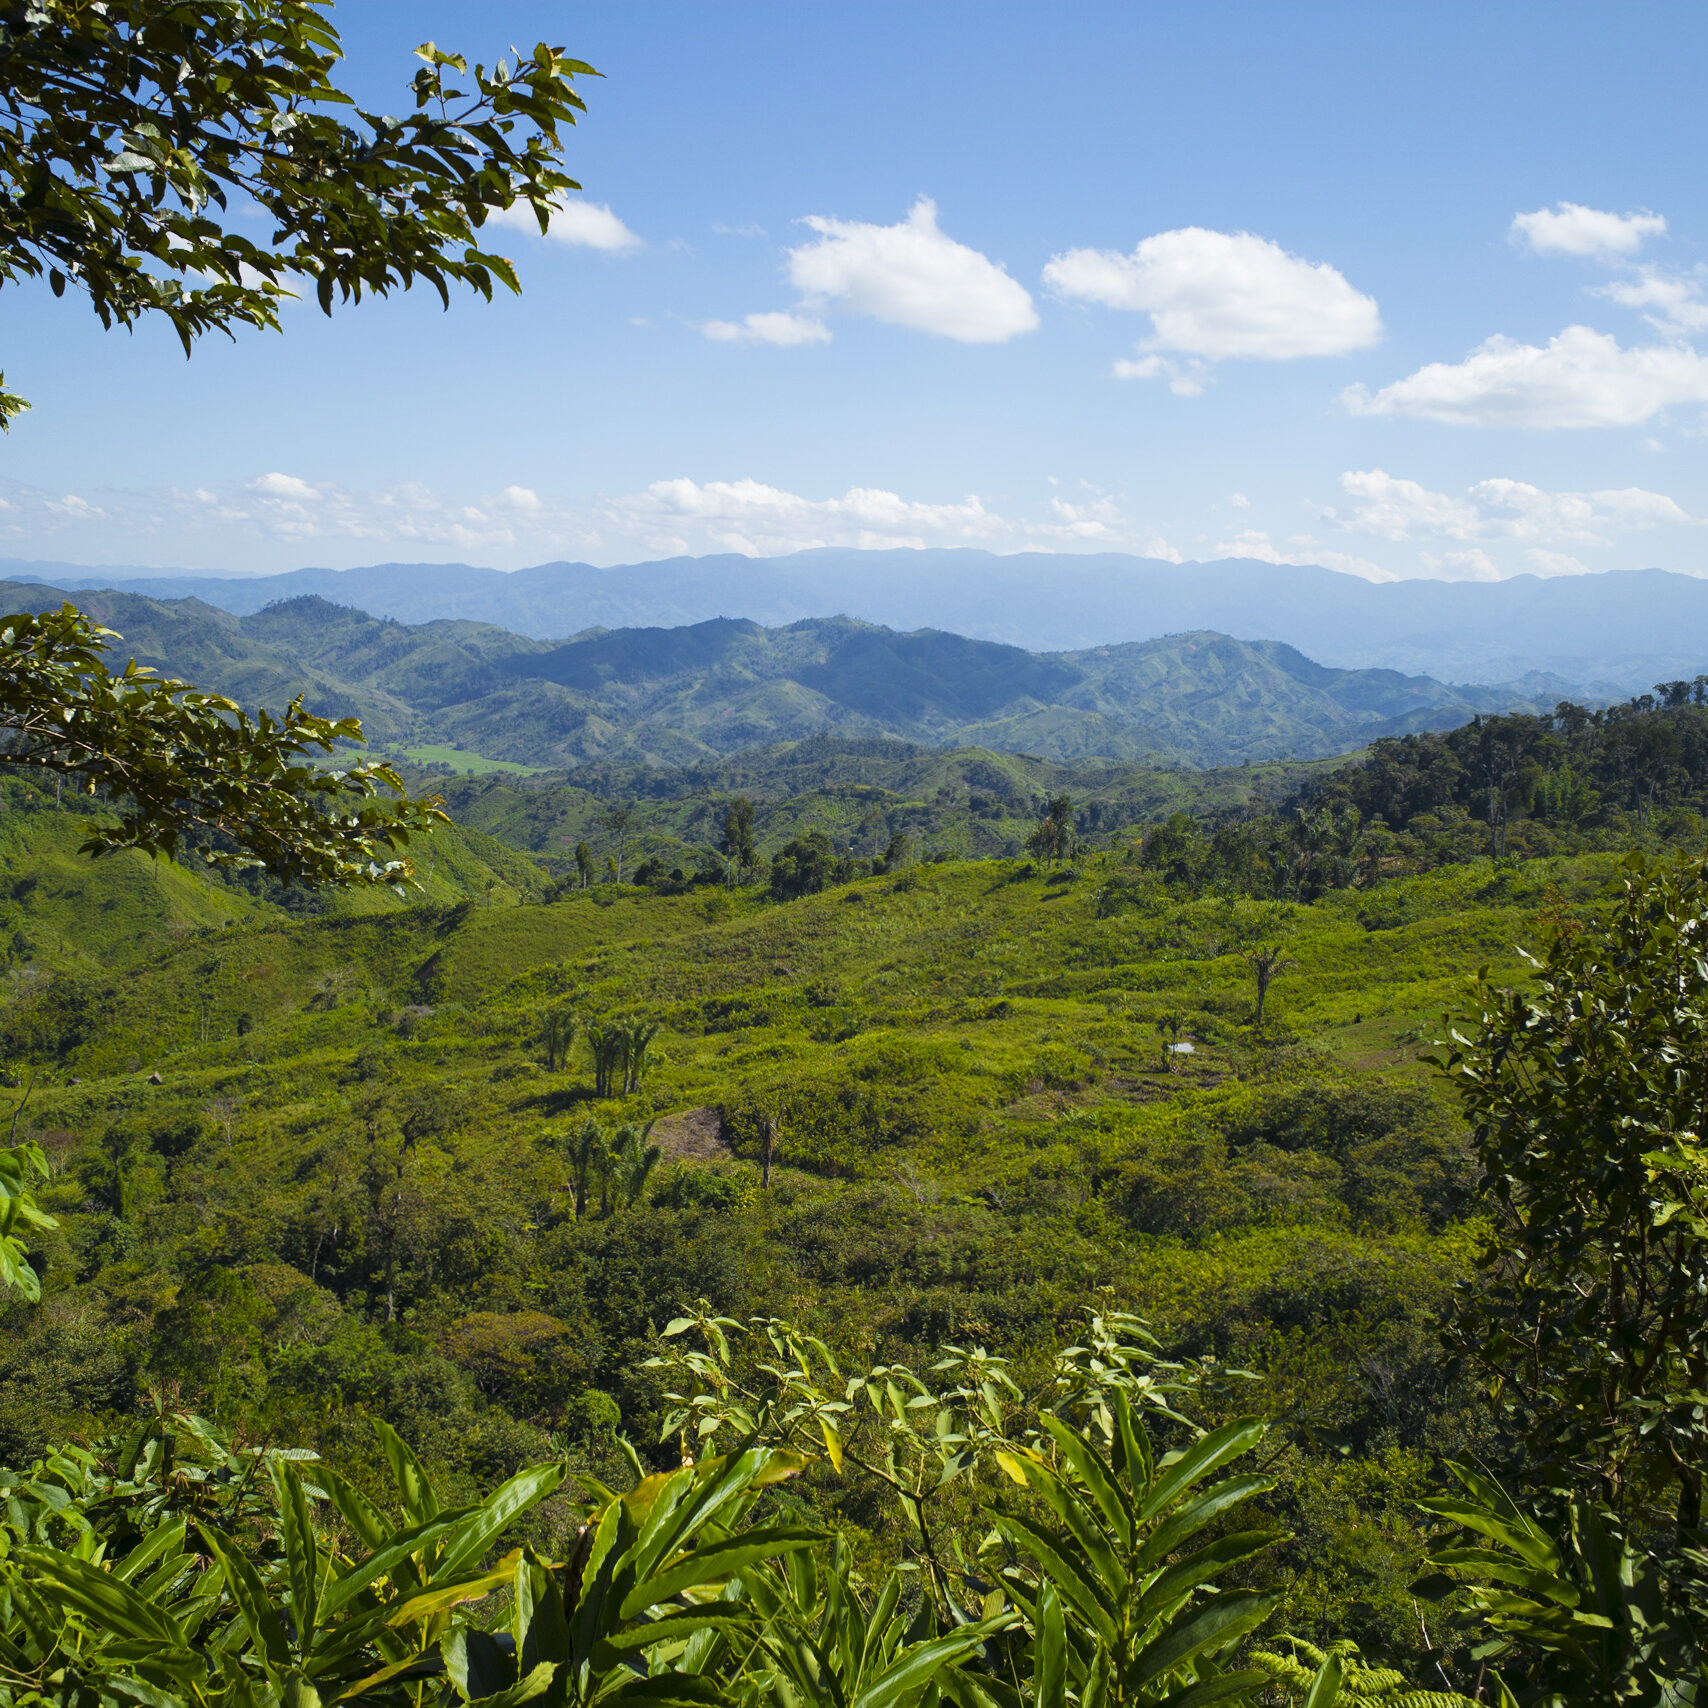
187,769
136,136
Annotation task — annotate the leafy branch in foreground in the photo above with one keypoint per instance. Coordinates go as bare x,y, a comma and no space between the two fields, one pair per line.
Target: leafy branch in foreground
1575,1607
128,128
1588,1101
180,764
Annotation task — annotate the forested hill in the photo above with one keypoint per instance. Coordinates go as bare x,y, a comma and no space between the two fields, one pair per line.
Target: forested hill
688,695
1611,634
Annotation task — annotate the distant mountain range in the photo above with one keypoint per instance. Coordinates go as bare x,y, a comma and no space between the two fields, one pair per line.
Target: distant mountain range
697,692
1607,634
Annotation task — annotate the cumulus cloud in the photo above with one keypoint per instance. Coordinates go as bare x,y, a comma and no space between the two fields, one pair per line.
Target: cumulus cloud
1670,302
910,275
778,327
1582,378
1569,228
587,225
274,518
283,486
1499,509
1217,296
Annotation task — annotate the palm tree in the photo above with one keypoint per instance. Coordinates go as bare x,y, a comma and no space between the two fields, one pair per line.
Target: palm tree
1267,962
586,1156
632,1161
558,1027
637,1044
608,1045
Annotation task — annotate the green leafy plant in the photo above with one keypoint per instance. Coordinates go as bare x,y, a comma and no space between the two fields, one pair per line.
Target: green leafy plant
1575,1613
1120,1593
20,1212
1586,1097
127,129
825,1645
1340,1677
183,766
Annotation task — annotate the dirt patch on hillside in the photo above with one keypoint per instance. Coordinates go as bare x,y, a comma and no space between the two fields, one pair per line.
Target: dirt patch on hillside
692,1135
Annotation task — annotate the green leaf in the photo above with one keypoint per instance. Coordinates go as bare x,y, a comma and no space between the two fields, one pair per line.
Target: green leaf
536,1682
716,1562
1216,1625
1200,1459
243,1584
691,1690
302,1552
414,1487
400,1547
674,1626
468,1543
918,1666
1200,1568
1220,1687
1088,1467
1175,1532
1325,1687
1057,1555
1049,1652
110,1603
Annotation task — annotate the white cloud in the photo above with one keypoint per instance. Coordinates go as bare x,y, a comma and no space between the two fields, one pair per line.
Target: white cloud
1185,379
1554,563
1582,378
1673,301
777,327
1572,229
1391,508
1472,565
275,520
282,486
684,515
1302,549
911,275
588,225
1219,296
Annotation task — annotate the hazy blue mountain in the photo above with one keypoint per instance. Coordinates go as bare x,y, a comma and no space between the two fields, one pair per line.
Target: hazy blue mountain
1597,633
690,694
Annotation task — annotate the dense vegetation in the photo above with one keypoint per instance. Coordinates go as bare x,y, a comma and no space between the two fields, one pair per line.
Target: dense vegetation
455,1165
353,1192
1577,780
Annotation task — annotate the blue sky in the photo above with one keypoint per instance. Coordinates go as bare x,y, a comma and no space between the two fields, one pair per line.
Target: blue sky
1408,290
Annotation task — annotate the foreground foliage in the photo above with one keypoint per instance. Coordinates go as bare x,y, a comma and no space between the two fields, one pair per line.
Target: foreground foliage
128,128
192,770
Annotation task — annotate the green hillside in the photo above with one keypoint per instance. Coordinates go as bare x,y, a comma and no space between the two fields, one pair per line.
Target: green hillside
351,1191
690,696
